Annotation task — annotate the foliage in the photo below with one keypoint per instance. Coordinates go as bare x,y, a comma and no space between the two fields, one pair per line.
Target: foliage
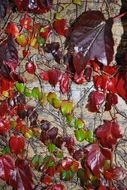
87,155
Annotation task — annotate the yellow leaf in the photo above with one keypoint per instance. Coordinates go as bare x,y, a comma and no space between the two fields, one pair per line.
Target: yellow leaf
22,40
77,2
33,42
66,107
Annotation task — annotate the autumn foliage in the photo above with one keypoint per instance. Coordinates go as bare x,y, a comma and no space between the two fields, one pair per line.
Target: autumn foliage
86,156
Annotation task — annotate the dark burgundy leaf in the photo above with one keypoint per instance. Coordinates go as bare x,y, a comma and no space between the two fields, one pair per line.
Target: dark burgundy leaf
69,144
9,54
54,49
45,125
52,133
58,141
88,74
33,115
121,86
111,99
79,62
78,154
91,36
95,100
4,6
22,175
21,99
95,158
21,111
109,133
36,6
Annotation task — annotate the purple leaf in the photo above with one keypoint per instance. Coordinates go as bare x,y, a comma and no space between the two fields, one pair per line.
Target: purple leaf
90,38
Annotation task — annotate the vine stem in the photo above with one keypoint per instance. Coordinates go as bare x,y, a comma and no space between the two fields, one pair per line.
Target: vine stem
119,16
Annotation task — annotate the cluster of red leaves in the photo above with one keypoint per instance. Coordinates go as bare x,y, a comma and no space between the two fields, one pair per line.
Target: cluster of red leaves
16,172
90,48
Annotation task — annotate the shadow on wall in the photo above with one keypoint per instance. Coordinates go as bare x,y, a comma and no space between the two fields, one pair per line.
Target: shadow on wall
121,55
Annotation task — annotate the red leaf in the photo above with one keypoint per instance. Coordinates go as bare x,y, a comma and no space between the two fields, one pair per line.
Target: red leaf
111,70
95,158
44,75
105,83
119,173
23,175
108,133
30,67
12,29
26,21
60,26
79,78
58,186
4,126
65,83
7,165
95,100
95,65
17,144
92,36
46,32
54,76
102,187
66,163
3,108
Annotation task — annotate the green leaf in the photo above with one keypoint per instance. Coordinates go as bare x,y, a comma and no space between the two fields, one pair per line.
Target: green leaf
27,92
41,41
20,87
59,155
89,136
79,123
49,161
66,175
77,2
66,107
6,150
52,147
37,160
36,93
81,174
80,135
70,120
56,103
